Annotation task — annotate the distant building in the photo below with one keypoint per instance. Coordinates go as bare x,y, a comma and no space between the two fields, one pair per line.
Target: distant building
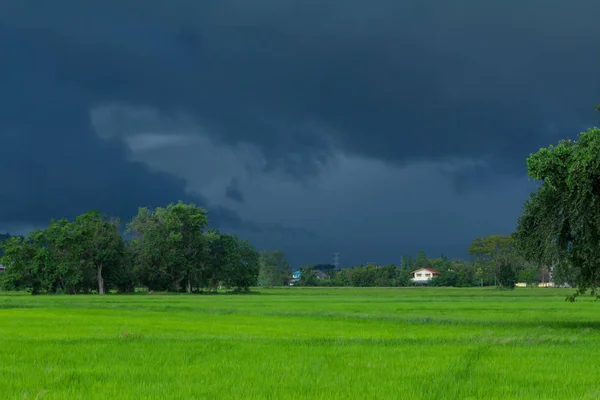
423,275
542,284
321,275
295,277
2,269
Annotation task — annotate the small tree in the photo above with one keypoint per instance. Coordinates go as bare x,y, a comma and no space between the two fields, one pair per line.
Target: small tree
308,276
507,269
528,275
403,276
490,253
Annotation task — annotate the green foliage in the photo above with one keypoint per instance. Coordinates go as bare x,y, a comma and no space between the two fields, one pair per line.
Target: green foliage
68,257
406,262
370,276
169,251
308,276
560,224
100,249
457,273
274,269
495,256
168,247
241,265
528,275
422,261
3,238
508,268
21,272
403,276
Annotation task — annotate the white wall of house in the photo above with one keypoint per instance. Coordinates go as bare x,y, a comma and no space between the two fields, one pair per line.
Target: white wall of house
422,275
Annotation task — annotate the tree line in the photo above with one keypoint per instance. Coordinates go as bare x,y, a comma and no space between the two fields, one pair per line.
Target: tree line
163,249
495,261
559,230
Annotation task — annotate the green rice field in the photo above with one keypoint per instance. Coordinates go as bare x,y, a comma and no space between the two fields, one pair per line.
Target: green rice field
302,343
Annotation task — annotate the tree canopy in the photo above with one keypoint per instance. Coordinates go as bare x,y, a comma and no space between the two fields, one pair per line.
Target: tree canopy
496,259
169,251
274,268
560,224
3,238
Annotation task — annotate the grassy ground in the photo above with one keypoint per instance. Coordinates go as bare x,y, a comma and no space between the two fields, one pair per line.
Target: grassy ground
296,343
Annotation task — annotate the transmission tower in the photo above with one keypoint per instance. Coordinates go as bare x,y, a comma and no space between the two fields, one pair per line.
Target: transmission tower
336,260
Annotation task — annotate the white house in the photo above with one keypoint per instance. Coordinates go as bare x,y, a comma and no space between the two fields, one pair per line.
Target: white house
423,275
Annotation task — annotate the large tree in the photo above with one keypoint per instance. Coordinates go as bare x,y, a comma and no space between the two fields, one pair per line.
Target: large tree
168,246
560,225
99,247
21,272
496,259
274,268
66,256
240,264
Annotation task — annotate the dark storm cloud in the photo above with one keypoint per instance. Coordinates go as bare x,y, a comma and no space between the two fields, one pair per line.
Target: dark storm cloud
53,164
392,80
233,192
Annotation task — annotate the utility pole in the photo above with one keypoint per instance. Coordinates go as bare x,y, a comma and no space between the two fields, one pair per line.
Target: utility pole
336,260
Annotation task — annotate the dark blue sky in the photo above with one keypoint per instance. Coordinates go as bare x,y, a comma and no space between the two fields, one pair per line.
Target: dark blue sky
374,129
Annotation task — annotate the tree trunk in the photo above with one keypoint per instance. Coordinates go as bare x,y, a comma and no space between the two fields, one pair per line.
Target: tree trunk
177,284
188,287
100,280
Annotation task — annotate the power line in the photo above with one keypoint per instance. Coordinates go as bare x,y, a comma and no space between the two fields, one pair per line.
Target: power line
336,260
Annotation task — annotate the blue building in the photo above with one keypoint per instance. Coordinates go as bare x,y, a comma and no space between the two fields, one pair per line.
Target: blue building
296,276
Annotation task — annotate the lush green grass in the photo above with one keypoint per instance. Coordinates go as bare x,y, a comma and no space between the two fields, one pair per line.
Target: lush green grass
296,343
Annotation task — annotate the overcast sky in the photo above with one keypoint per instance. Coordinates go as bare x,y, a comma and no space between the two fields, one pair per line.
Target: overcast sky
372,129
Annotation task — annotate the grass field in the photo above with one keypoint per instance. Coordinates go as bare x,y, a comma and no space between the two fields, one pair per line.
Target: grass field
296,343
